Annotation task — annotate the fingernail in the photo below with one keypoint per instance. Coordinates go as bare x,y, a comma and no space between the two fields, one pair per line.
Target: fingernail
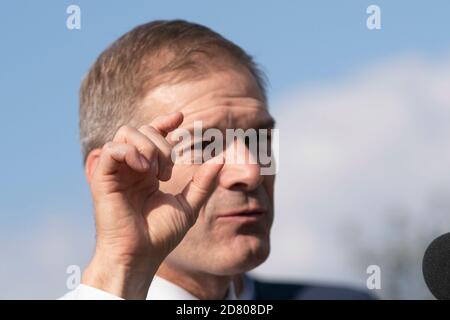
144,162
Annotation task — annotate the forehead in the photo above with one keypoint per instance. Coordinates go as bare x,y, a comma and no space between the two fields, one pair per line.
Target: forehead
222,99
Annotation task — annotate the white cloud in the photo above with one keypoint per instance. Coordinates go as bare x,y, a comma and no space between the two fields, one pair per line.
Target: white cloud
352,151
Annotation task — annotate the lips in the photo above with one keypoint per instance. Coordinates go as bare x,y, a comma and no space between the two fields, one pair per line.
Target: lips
255,213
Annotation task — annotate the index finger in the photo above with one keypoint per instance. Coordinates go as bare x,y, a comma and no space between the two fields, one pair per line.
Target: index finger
167,123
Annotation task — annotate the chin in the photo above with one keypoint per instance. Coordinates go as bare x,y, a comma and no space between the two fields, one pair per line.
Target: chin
243,255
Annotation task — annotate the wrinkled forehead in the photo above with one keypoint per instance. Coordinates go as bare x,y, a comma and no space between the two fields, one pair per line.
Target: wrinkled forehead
226,99
233,112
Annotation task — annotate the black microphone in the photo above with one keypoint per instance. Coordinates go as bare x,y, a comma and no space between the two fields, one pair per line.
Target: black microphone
436,267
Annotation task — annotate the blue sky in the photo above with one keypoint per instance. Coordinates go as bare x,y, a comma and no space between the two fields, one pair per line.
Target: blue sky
43,62
298,43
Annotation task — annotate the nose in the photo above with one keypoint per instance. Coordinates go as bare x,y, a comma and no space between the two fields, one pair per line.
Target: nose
241,169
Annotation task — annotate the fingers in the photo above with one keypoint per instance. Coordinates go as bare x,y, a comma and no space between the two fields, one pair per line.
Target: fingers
114,154
164,149
203,182
167,123
150,141
150,146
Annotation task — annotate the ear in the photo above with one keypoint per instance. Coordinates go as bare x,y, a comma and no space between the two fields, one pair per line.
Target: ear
91,163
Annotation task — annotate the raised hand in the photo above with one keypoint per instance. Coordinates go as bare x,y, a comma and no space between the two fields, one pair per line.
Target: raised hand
137,224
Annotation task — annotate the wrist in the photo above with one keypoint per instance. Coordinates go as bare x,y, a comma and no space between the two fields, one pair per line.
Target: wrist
130,280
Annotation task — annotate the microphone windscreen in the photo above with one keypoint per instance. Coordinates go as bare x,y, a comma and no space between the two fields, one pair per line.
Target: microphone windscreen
436,267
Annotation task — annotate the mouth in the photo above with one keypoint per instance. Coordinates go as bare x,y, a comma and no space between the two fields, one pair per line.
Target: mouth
243,215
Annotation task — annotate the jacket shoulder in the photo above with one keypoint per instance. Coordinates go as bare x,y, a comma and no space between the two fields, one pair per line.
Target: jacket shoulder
307,291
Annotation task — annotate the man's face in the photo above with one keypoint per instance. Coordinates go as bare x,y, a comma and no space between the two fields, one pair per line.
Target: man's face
232,232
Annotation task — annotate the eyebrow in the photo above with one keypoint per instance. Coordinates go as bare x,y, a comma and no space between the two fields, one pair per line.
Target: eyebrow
267,123
263,121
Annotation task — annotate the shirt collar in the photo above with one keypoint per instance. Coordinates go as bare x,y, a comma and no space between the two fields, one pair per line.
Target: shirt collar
248,288
162,289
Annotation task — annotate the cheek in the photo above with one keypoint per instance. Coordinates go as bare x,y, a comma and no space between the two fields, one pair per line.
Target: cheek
181,175
268,184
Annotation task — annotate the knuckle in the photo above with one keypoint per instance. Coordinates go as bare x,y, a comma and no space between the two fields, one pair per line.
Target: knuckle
108,146
143,127
199,189
149,130
124,130
149,148
152,129
131,148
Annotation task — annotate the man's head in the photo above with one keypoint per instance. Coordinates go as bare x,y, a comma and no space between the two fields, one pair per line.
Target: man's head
167,66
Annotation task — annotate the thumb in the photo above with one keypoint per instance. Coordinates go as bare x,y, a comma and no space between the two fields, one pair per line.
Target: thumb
199,188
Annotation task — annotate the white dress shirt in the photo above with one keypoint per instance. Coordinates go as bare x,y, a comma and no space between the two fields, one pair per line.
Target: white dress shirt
160,289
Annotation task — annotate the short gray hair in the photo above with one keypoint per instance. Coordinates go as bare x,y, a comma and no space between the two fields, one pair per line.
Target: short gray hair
150,54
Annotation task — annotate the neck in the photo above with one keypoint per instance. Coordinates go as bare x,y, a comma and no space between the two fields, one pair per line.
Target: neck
201,285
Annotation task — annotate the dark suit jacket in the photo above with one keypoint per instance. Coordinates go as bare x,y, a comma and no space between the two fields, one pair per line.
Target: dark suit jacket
295,291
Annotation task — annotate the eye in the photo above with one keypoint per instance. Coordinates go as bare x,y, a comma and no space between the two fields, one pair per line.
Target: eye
201,144
205,143
261,137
